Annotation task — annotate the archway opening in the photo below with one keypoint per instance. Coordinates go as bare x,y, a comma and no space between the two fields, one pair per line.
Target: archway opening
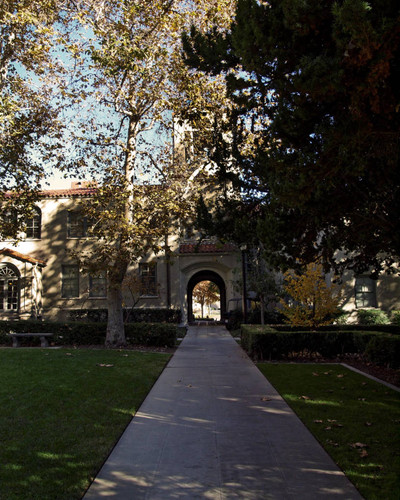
207,287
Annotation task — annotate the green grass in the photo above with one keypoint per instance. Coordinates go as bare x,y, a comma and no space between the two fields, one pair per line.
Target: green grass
356,419
61,414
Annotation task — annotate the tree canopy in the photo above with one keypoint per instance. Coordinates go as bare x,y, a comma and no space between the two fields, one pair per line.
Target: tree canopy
312,142
30,78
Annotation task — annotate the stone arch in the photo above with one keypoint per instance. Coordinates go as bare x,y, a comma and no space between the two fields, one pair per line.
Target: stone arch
206,275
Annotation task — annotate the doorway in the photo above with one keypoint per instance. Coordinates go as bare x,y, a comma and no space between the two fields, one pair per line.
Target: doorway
212,277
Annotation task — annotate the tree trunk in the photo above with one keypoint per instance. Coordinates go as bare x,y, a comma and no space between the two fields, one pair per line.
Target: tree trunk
262,309
115,324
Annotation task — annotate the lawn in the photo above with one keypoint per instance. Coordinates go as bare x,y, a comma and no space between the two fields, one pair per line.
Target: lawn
61,413
356,419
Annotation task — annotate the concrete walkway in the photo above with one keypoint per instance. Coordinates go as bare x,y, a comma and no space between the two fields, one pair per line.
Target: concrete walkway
213,427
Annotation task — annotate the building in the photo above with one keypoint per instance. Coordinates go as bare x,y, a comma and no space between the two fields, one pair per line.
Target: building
40,279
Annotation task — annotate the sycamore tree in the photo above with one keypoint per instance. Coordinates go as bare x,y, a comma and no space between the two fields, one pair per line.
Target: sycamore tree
131,87
31,81
314,131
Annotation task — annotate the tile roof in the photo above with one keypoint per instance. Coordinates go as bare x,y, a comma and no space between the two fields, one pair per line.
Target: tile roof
206,247
22,256
63,193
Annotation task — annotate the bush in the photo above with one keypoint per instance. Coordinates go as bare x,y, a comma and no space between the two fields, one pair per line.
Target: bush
77,333
372,317
395,318
384,350
234,319
137,315
265,342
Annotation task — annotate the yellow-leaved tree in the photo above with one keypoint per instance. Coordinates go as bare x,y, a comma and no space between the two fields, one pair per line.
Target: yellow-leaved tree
313,302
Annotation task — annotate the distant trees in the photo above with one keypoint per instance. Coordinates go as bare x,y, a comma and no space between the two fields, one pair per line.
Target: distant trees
313,137
206,293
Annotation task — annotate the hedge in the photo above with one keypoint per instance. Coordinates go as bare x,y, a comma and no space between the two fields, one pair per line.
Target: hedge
268,343
78,333
137,315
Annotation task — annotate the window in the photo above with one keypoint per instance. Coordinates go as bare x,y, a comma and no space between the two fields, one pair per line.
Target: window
98,285
33,225
78,225
9,288
148,279
365,289
70,281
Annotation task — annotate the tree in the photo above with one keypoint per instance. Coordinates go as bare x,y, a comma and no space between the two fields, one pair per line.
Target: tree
131,80
313,302
30,78
206,293
262,281
314,131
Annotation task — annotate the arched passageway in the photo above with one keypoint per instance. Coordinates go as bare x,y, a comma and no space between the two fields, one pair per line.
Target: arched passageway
206,276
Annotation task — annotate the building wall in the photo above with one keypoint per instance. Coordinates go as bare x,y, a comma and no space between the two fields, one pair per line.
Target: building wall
41,286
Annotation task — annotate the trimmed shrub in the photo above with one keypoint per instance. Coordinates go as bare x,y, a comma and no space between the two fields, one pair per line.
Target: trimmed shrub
77,333
372,317
268,343
136,315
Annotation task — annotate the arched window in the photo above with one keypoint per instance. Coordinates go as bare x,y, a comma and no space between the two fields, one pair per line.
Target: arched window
9,287
33,225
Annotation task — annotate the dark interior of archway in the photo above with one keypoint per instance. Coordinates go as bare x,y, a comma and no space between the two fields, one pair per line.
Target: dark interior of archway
206,276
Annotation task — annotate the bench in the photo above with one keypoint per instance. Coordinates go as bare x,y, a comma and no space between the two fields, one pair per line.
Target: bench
43,338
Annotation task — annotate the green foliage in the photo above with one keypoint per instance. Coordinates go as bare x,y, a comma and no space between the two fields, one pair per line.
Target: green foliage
395,318
372,317
150,315
234,320
151,334
268,343
313,134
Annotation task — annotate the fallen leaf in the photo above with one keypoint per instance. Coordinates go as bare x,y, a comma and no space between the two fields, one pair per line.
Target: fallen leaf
332,442
368,424
316,374
358,445
341,375
104,365
318,421
363,453
329,420
329,428
361,399
304,397
266,399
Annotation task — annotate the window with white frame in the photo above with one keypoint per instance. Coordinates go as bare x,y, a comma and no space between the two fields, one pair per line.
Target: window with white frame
70,281
148,279
365,291
33,225
9,288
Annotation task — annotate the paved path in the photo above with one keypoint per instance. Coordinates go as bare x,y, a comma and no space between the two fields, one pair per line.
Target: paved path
213,427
